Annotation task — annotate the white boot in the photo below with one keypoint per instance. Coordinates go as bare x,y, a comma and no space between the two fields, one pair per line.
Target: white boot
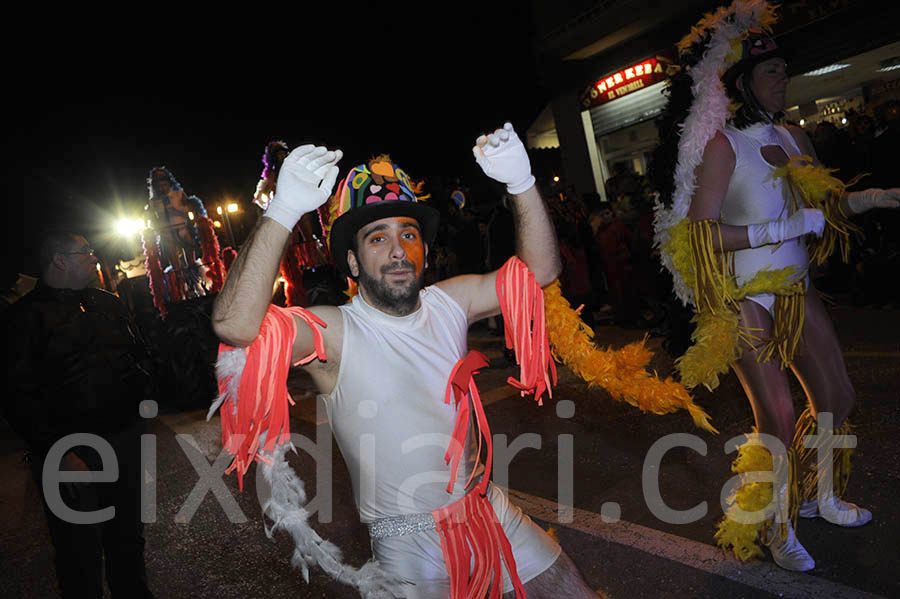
789,553
836,511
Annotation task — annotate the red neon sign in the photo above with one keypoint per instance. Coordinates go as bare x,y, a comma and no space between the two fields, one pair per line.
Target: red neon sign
628,80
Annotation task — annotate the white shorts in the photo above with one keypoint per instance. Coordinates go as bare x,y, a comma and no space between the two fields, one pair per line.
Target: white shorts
767,300
418,559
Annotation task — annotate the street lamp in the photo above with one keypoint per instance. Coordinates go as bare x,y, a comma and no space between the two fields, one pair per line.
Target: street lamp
228,220
128,227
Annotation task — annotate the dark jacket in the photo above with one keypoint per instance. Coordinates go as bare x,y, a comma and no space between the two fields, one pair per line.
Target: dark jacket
76,364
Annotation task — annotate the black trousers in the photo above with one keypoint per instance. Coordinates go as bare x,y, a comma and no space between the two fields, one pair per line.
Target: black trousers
84,551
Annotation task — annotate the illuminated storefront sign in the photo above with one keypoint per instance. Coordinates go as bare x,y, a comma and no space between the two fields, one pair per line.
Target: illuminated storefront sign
626,81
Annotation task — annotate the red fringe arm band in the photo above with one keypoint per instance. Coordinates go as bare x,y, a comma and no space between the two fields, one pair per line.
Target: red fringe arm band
522,305
252,387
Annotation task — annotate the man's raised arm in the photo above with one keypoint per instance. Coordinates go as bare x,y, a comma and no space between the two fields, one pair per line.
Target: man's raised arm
304,183
502,157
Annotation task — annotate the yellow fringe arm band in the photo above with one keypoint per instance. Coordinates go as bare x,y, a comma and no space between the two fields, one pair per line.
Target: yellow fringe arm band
813,186
708,272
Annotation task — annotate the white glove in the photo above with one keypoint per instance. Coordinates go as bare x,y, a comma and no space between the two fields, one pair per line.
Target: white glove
863,201
502,157
802,222
305,181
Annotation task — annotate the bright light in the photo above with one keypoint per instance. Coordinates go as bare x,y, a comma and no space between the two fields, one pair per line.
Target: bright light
190,215
126,227
217,224
219,209
844,121
802,122
232,207
825,70
890,68
556,179
98,267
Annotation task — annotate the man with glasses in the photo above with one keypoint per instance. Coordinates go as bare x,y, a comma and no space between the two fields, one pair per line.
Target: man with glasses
78,365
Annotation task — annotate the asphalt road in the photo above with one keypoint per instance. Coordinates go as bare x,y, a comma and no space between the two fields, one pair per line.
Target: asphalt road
201,549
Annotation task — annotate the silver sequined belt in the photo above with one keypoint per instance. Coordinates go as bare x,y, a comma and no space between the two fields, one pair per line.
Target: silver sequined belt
394,526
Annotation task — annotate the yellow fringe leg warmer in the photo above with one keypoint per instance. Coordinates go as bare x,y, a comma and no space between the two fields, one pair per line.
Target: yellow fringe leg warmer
734,533
807,457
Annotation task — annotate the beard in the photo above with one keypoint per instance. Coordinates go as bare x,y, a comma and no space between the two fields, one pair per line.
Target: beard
396,300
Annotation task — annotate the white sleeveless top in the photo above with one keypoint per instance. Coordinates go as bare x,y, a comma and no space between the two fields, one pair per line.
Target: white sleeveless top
387,409
754,196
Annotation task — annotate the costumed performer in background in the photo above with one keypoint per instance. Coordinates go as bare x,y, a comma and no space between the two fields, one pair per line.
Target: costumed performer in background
396,377
179,241
305,249
751,209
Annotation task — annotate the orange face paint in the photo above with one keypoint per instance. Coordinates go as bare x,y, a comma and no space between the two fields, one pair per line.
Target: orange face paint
415,252
412,245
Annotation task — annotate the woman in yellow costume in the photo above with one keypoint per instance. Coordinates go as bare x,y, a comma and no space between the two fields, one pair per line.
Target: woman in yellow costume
751,208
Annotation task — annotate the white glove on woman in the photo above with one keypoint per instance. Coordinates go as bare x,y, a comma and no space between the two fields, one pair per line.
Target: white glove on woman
502,157
863,201
305,181
802,222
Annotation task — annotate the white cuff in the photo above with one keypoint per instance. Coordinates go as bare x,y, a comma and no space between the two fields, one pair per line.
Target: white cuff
525,185
283,215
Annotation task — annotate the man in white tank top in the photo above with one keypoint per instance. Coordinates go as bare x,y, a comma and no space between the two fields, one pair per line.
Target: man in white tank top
390,352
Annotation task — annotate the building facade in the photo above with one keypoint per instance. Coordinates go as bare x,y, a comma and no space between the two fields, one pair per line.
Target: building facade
605,63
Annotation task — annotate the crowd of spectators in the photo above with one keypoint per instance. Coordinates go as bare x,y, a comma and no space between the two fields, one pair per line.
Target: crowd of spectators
606,247
865,149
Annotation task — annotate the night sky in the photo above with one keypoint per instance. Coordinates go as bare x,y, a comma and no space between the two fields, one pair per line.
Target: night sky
94,106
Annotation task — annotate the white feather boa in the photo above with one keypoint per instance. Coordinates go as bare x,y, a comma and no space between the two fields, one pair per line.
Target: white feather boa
708,113
284,507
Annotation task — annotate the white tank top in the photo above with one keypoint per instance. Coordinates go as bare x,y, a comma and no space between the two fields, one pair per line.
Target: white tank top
387,409
755,196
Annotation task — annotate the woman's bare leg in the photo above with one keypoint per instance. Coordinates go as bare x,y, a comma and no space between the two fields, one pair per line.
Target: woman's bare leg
765,383
767,388
820,366
821,370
